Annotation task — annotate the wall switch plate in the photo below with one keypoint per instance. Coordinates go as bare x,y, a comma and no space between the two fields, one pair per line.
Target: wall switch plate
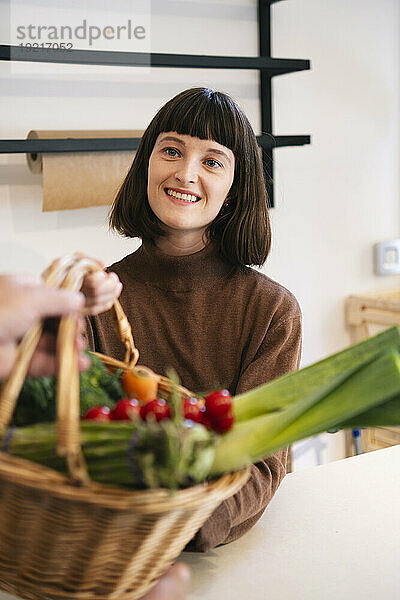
387,257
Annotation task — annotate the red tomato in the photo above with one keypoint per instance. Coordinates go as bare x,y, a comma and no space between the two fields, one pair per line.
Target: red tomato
224,423
98,413
192,410
205,420
218,404
158,408
125,410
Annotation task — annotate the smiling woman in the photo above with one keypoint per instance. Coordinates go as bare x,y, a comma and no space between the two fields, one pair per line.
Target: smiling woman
195,195
188,183
209,120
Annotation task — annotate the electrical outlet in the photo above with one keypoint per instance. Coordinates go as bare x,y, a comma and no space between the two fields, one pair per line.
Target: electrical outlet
387,257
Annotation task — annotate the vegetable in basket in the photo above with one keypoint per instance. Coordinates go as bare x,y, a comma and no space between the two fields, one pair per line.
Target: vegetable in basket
359,385
37,400
141,382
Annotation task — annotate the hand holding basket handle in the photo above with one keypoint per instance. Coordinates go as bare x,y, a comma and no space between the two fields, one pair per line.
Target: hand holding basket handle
68,273
24,300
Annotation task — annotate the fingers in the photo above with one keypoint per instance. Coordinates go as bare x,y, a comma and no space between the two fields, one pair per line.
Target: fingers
81,326
171,585
83,255
43,364
80,346
44,358
20,279
7,358
24,300
181,572
53,302
23,303
100,289
77,255
44,361
51,325
83,362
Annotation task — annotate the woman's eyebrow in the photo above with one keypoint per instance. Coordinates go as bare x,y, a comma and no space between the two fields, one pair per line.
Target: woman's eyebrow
220,152
171,138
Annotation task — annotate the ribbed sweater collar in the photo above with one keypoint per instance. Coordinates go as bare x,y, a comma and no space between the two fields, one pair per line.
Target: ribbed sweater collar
179,273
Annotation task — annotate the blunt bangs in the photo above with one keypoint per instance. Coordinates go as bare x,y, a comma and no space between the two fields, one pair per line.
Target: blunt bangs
205,114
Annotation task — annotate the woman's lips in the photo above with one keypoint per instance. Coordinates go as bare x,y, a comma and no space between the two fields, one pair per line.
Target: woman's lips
179,200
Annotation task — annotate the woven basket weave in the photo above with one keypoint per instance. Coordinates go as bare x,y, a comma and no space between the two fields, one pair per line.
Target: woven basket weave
65,536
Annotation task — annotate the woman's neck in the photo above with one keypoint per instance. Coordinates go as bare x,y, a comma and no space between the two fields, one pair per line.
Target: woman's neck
180,245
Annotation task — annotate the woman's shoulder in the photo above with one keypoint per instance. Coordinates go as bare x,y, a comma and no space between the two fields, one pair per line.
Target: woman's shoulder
126,264
266,292
120,265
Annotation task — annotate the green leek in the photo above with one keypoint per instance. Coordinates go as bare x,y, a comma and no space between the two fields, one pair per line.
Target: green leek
250,441
312,379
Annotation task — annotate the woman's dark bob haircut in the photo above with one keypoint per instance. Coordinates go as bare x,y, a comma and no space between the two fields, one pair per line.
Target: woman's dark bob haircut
241,230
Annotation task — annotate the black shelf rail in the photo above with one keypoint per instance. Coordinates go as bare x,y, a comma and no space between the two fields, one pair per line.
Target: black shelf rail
267,66
112,144
276,66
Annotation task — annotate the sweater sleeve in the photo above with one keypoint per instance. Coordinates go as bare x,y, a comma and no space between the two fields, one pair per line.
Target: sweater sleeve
279,353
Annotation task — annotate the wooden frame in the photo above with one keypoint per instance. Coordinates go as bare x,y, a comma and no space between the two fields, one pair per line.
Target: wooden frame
366,314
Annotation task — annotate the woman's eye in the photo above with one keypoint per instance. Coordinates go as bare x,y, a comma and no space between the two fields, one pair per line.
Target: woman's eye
172,152
213,163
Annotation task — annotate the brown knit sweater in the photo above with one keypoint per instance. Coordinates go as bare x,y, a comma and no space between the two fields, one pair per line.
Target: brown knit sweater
218,326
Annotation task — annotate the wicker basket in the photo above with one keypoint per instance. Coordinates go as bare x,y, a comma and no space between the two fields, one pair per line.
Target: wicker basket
65,536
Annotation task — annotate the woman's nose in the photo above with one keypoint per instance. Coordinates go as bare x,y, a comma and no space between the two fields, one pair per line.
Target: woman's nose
187,172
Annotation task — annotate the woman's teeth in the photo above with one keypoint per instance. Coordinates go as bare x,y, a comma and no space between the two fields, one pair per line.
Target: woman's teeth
186,197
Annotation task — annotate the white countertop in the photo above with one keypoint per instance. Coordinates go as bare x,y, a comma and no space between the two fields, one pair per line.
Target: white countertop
330,533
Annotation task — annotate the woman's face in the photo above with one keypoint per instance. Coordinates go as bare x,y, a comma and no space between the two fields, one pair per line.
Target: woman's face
188,181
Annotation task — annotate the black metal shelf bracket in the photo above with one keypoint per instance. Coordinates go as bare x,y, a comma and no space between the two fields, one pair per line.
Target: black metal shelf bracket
264,39
267,66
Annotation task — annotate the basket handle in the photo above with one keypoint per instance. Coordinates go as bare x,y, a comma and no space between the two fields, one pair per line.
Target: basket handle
68,273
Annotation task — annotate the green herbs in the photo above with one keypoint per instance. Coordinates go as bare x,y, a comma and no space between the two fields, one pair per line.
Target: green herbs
98,386
170,454
37,400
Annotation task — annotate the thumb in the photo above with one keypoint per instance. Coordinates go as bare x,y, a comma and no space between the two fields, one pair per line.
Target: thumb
173,584
182,572
53,302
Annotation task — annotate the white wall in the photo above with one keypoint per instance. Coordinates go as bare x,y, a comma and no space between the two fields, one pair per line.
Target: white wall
340,195
334,198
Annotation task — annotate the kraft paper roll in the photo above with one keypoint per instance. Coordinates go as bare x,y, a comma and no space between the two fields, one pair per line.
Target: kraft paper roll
80,179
